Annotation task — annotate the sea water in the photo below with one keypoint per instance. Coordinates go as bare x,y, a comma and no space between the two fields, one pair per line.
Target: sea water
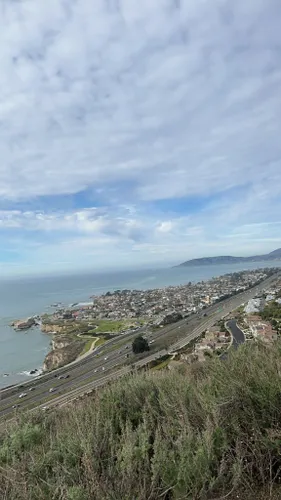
23,351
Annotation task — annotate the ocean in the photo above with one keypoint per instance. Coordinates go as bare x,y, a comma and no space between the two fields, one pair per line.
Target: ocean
23,351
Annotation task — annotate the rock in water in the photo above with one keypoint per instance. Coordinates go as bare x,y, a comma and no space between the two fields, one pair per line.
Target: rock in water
23,324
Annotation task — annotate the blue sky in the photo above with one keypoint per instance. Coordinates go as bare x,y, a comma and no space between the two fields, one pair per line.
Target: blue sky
138,133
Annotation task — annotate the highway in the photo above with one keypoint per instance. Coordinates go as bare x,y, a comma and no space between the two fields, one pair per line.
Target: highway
115,359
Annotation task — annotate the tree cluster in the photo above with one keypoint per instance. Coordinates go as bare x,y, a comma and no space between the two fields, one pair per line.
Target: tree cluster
140,345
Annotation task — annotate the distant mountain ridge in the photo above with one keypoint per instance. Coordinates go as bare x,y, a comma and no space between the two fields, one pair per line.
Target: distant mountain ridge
228,259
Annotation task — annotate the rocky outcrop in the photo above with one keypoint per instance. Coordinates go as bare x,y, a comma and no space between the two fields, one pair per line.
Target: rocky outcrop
61,341
23,324
66,347
63,352
52,328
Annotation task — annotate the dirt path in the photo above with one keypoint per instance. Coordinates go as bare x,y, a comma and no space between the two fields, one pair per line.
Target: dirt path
93,345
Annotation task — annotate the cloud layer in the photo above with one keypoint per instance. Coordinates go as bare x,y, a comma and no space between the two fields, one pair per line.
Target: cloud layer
113,104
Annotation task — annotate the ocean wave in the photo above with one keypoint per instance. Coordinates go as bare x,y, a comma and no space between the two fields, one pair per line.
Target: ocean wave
81,304
28,374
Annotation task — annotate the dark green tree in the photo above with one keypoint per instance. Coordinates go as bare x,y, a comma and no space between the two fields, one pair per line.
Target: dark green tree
139,345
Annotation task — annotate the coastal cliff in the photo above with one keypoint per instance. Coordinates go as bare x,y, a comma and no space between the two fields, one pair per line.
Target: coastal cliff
66,345
64,351
53,328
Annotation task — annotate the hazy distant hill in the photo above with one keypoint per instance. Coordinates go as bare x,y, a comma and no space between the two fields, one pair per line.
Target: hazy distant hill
228,259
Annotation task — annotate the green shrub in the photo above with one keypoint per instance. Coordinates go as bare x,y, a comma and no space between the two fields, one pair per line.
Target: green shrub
211,430
76,493
21,439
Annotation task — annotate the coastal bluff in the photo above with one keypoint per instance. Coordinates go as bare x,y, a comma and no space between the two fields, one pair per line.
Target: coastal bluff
64,351
66,346
52,328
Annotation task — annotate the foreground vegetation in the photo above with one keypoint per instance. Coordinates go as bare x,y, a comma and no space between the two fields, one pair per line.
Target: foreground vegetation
272,313
209,431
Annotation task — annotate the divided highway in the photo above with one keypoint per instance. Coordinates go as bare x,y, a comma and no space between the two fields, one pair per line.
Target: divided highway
114,359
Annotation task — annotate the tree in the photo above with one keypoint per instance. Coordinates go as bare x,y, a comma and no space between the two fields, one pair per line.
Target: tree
139,345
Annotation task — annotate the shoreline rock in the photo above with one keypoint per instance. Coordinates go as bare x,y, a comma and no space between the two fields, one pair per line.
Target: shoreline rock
24,324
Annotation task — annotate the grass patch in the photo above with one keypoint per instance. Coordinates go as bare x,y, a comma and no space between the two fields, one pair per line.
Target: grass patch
92,332
116,326
87,347
97,341
207,431
162,364
111,326
100,342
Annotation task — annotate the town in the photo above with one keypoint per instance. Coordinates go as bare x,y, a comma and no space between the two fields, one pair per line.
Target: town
259,320
81,327
161,305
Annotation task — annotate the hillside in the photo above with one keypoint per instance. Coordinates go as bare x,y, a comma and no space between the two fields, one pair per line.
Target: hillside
228,259
207,432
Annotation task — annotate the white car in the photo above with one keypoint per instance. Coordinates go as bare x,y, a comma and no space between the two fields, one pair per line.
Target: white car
22,395
32,389
52,389
103,368
105,359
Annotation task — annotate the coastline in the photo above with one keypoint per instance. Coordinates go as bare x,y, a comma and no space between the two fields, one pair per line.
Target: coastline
118,312
22,351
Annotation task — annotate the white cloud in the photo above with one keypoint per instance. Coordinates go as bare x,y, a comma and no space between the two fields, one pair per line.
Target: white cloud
86,221
112,244
165,226
136,102
179,100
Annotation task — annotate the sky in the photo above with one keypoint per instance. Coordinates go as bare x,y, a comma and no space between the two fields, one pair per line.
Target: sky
138,134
